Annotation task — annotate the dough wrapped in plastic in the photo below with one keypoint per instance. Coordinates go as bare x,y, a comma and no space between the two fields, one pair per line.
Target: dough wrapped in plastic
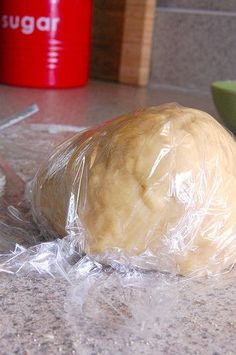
155,188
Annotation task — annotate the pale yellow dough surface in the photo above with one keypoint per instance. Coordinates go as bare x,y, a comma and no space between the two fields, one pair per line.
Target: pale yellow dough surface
160,181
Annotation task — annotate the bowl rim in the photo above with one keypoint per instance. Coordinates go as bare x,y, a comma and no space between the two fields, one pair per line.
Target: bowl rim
222,85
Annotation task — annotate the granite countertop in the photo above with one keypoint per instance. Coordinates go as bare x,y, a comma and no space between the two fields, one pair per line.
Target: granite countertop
39,314
94,103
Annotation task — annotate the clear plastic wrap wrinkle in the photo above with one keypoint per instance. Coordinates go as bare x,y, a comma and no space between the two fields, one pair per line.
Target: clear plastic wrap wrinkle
153,189
17,118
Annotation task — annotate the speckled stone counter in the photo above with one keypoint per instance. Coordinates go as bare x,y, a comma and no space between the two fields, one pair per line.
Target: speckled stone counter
37,311
94,103
34,320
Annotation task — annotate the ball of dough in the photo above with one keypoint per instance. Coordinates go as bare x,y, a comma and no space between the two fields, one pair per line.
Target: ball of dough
157,187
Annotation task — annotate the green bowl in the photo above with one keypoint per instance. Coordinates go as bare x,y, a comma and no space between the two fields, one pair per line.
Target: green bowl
224,97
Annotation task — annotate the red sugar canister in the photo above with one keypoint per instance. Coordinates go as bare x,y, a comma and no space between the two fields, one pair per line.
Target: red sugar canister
45,43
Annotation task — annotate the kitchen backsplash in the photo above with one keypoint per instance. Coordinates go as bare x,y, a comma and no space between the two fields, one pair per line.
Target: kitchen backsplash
194,43
218,5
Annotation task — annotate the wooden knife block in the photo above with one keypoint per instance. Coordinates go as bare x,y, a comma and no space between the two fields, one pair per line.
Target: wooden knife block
122,40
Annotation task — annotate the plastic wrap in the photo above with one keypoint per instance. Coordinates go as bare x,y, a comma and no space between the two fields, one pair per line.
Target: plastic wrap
22,149
153,189
133,297
21,116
